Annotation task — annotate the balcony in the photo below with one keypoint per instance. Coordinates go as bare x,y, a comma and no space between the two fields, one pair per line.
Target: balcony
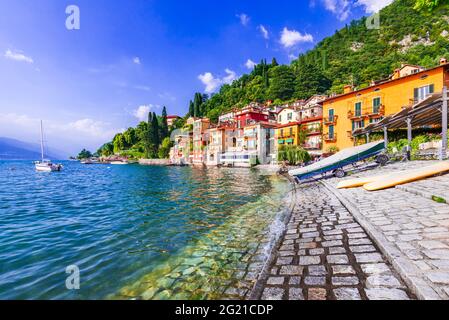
329,138
366,113
330,120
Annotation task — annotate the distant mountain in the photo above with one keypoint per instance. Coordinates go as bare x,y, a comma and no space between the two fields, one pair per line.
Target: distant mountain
12,149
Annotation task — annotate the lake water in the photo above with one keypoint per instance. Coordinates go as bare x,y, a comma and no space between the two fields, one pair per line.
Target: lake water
133,231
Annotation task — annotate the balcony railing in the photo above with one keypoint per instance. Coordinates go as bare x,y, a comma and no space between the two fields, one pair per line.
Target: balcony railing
330,120
367,113
330,138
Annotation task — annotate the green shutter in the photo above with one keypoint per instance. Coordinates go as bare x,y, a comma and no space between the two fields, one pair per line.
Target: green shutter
416,94
431,88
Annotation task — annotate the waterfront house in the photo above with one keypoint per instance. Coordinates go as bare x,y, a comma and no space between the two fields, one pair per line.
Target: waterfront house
259,143
355,109
181,150
311,117
172,119
200,140
216,144
236,152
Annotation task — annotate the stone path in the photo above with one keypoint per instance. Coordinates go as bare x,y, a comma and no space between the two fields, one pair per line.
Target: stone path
411,228
325,254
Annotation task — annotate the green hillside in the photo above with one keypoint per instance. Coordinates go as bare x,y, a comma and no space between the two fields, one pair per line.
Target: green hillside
353,55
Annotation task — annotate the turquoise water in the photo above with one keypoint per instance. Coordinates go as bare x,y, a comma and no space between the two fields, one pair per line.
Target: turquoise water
129,227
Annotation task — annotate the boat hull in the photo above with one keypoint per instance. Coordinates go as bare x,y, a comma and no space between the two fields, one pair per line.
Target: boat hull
340,160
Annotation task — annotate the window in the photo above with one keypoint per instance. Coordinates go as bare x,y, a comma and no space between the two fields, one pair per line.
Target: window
282,132
358,125
331,115
331,132
358,109
280,118
291,132
423,92
289,116
376,105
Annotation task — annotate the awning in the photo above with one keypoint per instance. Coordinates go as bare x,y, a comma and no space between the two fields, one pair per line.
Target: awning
289,141
281,141
424,113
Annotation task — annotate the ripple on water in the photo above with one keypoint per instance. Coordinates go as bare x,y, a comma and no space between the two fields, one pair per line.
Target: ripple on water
128,228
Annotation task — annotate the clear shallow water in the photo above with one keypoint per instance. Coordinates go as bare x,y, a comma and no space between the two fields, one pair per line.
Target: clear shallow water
134,231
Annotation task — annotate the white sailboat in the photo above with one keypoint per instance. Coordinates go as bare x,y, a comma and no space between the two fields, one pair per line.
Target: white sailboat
45,165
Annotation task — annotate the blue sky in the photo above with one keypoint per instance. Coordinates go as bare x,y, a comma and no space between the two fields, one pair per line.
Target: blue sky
131,56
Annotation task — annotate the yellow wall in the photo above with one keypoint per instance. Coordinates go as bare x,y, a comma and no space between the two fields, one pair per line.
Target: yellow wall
286,135
394,95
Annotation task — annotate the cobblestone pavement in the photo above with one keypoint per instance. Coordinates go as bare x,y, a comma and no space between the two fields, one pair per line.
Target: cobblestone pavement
325,254
412,229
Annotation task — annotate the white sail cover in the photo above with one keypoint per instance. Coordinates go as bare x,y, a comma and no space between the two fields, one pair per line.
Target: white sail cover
340,156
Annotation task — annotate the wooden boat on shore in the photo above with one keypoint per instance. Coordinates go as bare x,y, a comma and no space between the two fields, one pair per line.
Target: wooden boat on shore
338,161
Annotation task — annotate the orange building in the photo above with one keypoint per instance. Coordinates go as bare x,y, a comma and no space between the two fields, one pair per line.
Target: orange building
353,110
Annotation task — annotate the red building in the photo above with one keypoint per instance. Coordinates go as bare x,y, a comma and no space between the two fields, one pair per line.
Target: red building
251,115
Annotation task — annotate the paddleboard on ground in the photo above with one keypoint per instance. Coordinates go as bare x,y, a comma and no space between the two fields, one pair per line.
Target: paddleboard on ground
358,182
407,176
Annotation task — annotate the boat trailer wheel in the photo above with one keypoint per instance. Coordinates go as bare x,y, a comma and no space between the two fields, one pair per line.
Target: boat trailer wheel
339,173
382,159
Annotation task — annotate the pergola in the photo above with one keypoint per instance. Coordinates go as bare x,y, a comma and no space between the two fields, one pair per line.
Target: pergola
432,111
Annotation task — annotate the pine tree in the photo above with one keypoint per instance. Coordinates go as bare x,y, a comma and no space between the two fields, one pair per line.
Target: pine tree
164,124
191,109
274,62
155,139
197,102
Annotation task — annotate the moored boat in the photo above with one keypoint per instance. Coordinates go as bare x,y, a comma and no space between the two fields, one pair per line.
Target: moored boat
45,165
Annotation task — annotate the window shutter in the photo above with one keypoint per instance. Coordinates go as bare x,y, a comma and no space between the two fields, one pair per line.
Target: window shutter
416,93
431,88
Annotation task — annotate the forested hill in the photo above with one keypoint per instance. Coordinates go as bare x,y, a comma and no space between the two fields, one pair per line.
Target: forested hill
354,54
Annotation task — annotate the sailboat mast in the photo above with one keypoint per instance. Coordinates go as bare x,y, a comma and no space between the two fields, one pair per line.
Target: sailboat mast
42,142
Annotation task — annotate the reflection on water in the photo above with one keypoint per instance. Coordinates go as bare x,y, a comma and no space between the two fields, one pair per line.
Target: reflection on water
134,232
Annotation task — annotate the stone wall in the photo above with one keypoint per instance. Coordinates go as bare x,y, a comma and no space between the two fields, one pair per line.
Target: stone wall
154,162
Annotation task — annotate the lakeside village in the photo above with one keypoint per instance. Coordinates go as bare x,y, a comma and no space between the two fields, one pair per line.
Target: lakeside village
295,133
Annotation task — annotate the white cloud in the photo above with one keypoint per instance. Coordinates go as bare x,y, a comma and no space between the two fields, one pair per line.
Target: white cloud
264,32
212,83
250,64
88,128
136,60
244,18
373,6
17,56
290,38
341,8
93,128
141,112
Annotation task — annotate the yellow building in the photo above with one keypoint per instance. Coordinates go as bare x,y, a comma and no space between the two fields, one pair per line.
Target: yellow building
356,109
288,134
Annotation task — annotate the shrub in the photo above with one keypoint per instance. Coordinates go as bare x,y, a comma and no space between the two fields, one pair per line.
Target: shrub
293,154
